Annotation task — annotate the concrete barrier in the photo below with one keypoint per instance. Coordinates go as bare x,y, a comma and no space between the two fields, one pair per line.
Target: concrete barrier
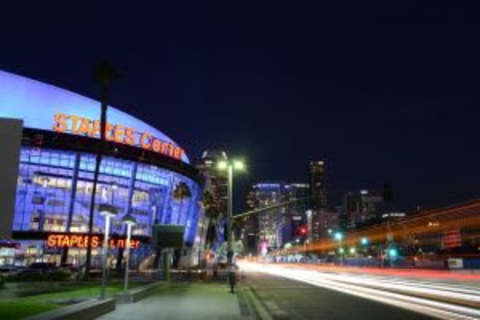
140,293
90,309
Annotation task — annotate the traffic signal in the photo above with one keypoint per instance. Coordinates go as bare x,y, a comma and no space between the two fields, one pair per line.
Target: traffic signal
303,231
393,253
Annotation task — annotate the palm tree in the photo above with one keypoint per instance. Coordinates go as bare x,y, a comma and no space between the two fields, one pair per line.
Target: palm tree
181,192
210,206
104,73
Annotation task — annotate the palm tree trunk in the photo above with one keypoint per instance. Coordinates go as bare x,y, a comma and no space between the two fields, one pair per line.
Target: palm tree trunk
180,212
98,160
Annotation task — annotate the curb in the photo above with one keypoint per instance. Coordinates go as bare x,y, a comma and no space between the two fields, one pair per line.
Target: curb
256,308
140,293
90,309
264,307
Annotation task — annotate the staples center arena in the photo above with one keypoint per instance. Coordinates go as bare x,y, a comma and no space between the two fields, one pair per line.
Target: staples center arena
49,138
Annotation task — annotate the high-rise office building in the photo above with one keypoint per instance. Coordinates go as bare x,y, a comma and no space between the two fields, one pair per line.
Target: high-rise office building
279,225
269,222
317,178
216,181
363,207
318,201
216,184
296,217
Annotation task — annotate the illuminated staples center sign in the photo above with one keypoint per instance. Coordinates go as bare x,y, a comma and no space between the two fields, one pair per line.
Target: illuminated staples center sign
81,241
115,132
43,106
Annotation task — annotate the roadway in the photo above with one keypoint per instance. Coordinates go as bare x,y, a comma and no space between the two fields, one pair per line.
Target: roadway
315,292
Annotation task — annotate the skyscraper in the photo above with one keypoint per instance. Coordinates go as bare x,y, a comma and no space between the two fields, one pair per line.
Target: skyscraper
296,217
269,222
317,179
278,225
364,207
216,181
216,185
318,194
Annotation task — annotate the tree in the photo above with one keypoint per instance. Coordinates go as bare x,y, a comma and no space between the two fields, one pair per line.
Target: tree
180,193
210,207
104,73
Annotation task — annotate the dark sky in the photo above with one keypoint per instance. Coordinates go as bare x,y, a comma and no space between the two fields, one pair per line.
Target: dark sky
386,92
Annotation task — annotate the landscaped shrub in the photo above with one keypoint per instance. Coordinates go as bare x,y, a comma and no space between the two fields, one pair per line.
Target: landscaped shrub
27,276
41,289
60,275
2,282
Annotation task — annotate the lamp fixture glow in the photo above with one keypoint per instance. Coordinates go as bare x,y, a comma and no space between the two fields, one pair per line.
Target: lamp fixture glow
238,165
222,165
364,241
393,253
338,236
107,210
129,220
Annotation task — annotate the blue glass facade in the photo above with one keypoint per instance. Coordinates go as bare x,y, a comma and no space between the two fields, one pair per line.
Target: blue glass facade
140,169
54,190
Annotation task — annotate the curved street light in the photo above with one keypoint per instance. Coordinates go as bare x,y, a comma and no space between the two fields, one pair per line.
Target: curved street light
108,211
129,221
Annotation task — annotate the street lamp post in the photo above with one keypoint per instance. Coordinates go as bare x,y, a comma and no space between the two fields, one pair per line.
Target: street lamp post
230,166
108,211
364,245
339,236
130,222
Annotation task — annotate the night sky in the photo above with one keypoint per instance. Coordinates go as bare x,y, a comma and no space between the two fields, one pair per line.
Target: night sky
386,93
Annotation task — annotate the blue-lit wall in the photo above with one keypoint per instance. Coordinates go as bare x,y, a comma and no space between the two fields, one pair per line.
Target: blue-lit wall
54,190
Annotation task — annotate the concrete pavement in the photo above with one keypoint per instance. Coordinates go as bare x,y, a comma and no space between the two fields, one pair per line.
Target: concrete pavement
184,301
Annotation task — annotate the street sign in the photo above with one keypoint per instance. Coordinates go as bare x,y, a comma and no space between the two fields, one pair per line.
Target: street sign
452,239
455,263
167,235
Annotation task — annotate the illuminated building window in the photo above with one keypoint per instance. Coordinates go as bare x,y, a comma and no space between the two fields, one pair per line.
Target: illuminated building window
44,193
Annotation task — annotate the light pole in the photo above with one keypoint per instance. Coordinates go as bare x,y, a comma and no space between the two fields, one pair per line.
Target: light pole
364,245
230,166
108,211
392,255
129,221
339,236
364,241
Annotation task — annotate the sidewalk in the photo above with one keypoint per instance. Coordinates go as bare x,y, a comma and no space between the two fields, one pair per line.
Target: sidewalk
183,301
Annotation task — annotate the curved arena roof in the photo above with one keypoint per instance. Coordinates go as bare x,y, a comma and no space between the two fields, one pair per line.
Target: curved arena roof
37,103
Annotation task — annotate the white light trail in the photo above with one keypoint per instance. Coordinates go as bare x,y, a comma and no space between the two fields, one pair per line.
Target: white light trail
440,301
